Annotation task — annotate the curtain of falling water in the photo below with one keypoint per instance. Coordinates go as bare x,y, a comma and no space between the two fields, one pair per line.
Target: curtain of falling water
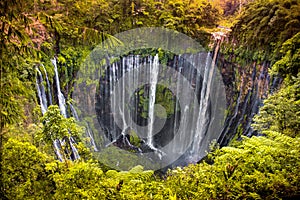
196,115
62,105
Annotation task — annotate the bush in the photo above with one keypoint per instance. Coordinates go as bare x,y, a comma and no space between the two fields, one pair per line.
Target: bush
23,173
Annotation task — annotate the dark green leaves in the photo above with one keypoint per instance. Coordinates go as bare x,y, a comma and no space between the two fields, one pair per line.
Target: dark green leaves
266,25
281,111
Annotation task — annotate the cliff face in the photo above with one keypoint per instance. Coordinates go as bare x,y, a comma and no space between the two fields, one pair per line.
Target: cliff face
246,86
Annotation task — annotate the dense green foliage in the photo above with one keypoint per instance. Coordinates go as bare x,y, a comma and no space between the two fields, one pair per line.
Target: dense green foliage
268,31
256,168
263,30
35,31
288,64
281,111
32,32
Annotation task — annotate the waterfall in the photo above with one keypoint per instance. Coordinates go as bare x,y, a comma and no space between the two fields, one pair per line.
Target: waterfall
74,112
43,103
153,82
169,107
202,121
62,107
88,130
122,110
89,134
203,118
61,98
57,149
41,91
48,84
61,101
74,150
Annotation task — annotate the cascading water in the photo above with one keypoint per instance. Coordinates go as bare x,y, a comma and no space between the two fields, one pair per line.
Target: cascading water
75,153
74,112
57,149
157,110
176,108
164,110
63,109
88,130
122,108
249,83
89,135
203,118
44,105
61,98
153,82
41,91
164,113
48,85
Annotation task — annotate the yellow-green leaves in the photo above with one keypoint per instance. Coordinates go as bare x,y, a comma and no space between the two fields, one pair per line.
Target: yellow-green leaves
23,174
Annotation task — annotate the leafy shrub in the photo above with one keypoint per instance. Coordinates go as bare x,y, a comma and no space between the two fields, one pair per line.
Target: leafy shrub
23,173
258,168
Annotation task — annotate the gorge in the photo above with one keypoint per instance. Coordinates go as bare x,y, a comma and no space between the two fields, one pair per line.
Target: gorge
167,113
149,99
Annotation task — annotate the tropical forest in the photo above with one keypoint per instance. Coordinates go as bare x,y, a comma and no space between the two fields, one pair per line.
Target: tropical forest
149,99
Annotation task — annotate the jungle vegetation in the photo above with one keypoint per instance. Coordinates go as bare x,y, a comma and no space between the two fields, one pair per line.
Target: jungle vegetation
32,32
